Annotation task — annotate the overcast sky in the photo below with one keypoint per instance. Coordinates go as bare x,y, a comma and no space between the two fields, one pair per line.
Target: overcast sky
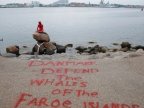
135,2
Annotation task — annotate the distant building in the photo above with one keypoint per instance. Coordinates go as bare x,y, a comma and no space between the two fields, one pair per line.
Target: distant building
28,4
104,5
60,3
35,3
76,4
2,6
15,5
101,3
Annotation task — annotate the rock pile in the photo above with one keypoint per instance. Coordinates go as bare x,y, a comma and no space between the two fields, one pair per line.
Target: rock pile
124,47
43,46
91,50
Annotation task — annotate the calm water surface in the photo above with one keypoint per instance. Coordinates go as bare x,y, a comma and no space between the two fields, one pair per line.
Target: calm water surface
72,25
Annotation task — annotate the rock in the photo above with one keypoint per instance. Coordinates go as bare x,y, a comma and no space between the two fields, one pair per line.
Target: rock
41,37
39,49
114,50
1,39
91,42
116,44
103,49
44,48
69,45
87,50
50,48
124,49
125,45
49,52
25,46
13,49
60,48
80,49
138,47
97,48
94,50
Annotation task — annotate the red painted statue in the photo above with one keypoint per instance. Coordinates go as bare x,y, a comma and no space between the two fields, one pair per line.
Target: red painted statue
40,27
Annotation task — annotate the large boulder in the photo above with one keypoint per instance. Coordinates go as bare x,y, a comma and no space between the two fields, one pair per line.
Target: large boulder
125,45
50,48
13,49
44,48
60,48
49,45
39,49
41,37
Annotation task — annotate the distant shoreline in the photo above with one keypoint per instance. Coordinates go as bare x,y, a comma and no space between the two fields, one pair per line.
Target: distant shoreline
76,7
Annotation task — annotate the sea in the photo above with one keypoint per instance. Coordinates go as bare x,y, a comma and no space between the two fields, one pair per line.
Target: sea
72,25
